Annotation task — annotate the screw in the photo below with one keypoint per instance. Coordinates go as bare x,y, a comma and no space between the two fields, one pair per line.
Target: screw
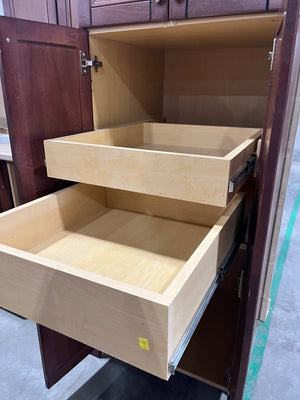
8,39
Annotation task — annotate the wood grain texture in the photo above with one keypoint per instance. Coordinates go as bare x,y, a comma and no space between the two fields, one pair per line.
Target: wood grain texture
255,30
34,10
159,11
82,11
206,8
121,13
213,249
207,357
59,354
129,87
177,9
278,119
198,91
75,301
40,48
277,5
96,3
176,161
6,200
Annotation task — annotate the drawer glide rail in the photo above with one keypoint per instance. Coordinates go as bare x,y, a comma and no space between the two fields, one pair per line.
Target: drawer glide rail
249,167
184,341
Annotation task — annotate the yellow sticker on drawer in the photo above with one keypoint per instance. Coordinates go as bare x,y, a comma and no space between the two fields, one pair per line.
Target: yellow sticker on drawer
143,343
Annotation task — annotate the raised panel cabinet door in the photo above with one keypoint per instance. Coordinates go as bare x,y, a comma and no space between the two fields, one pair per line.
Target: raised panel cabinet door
115,12
206,8
33,10
45,95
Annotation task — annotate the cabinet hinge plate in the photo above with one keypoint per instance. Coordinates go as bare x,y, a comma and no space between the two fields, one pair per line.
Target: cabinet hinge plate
85,64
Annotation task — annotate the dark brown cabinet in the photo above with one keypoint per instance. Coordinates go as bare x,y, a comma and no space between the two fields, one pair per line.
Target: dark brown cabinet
180,9
110,12
33,10
54,98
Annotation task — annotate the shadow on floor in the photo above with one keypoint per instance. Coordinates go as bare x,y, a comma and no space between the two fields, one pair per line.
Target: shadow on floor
119,381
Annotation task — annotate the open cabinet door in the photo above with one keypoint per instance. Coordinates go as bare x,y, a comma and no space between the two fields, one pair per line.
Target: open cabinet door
45,96
284,79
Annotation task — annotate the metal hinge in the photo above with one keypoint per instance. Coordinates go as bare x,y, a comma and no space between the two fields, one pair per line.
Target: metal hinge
248,168
239,284
85,64
272,53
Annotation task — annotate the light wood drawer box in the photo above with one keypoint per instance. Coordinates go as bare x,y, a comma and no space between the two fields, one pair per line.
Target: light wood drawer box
186,162
107,267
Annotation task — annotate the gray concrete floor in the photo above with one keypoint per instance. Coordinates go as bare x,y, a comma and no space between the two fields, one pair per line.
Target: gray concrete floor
21,375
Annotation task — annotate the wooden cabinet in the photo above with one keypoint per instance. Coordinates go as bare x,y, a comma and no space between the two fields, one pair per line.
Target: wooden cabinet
197,73
33,10
112,12
179,9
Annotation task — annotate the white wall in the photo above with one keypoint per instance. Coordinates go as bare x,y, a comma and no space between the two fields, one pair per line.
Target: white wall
1,8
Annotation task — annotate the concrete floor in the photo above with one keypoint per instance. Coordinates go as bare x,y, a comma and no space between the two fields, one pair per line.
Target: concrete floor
277,377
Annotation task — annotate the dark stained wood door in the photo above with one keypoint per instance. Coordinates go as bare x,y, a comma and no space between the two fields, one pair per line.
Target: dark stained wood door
45,95
180,9
286,62
113,12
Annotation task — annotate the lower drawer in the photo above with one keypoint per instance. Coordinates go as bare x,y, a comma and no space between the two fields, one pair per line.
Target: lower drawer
120,271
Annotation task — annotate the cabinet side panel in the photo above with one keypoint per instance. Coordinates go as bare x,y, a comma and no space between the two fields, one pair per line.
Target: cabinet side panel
129,87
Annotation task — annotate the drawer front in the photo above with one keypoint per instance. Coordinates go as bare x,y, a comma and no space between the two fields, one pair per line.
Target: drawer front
137,325
114,12
180,9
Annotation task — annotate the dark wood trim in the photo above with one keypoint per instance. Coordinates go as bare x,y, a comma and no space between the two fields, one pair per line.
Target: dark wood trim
6,200
159,11
207,8
82,9
7,8
99,3
63,12
51,9
277,5
121,14
177,9
270,167
59,354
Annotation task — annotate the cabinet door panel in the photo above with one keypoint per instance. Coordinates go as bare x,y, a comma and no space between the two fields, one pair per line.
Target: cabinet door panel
205,8
34,10
45,95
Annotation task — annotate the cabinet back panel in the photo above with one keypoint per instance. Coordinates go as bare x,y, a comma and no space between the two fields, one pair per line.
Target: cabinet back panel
226,87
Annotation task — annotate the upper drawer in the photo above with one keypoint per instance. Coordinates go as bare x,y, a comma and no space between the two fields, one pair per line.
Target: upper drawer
119,271
193,163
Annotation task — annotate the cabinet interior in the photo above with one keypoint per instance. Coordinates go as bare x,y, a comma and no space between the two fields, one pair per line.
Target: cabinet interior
203,72
124,236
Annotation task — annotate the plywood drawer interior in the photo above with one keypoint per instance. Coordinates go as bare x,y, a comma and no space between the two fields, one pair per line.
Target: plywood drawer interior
193,163
108,267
